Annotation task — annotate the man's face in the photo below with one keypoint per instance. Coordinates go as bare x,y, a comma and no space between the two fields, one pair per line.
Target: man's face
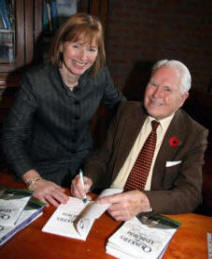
163,96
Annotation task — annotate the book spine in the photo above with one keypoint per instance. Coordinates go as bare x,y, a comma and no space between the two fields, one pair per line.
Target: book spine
4,15
45,19
54,15
49,17
209,245
1,23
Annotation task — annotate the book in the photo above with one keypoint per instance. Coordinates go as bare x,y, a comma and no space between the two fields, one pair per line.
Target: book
6,46
32,211
48,15
142,237
54,15
5,15
65,9
76,218
12,204
209,245
1,23
45,18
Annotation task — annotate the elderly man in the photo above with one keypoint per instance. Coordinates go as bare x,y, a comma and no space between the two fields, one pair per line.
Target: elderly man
154,151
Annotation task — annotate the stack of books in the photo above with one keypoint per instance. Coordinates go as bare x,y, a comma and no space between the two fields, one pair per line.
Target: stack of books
17,210
142,237
7,48
56,12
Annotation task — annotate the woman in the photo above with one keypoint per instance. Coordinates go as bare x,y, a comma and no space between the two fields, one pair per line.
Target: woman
47,133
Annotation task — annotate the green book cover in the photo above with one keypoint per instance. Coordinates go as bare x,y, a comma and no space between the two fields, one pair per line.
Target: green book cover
12,204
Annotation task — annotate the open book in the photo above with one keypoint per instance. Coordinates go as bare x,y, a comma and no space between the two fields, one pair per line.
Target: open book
142,237
12,204
75,218
32,210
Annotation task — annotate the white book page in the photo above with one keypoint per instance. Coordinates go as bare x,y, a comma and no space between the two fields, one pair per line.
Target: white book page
93,211
28,215
75,218
62,220
10,210
140,240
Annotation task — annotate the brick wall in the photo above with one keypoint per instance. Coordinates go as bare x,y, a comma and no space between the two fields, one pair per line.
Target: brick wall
140,32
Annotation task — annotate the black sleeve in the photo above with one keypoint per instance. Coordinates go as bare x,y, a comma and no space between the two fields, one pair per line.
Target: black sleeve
17,128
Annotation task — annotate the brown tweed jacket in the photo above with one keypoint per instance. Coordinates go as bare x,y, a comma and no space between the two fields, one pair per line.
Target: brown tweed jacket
177,173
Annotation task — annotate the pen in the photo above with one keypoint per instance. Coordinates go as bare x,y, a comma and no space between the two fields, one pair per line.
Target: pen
83,184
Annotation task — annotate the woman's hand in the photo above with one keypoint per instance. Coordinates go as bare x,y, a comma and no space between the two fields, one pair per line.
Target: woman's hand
49,192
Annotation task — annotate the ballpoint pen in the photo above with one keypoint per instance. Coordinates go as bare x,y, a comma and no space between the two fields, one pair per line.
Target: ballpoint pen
83,184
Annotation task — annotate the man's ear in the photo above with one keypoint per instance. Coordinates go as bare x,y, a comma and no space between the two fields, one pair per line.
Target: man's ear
184,97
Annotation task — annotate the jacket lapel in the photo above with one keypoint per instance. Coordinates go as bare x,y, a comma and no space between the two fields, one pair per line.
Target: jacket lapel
132,128
168,150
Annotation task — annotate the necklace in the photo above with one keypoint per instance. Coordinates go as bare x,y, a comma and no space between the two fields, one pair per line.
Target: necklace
69,80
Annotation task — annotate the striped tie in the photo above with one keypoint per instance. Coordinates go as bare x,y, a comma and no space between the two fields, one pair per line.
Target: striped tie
139,173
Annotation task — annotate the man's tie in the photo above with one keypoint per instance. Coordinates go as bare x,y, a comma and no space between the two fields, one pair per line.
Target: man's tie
139,173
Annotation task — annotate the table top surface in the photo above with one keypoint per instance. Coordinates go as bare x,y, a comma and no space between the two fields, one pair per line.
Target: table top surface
190,240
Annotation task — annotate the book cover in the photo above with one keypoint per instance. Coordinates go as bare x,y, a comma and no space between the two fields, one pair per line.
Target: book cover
31,212
143,237
75,218
12,204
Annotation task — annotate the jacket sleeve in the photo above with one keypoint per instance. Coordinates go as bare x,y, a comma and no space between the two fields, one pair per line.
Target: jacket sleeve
97,164
17,128
112,95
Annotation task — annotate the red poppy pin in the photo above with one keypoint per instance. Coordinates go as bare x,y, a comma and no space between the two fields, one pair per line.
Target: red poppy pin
174,141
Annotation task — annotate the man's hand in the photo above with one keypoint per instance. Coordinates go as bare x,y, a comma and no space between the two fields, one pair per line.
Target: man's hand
49,192
77,189
126,205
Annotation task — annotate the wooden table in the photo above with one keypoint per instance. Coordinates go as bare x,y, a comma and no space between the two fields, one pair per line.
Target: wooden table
189,241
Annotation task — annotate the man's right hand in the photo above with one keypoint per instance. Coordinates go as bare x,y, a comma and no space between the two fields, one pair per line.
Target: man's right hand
77,188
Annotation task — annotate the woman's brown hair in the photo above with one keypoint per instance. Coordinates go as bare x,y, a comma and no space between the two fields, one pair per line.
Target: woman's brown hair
80,25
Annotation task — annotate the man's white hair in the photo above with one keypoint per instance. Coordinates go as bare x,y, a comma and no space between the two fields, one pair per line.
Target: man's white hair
184,73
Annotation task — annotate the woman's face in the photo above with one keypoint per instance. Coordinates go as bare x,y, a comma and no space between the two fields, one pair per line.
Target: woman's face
79,56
